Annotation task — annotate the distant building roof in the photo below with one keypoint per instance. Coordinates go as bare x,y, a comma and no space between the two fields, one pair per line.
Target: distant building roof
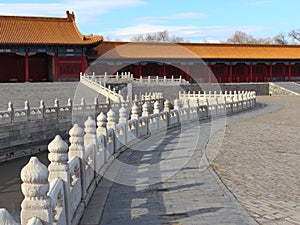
152,50
43,30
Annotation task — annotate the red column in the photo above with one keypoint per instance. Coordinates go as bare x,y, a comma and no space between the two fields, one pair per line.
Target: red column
140,69
251,72
83,64
271,72
164,69
230,73
56,67
26,67
290,72
265,73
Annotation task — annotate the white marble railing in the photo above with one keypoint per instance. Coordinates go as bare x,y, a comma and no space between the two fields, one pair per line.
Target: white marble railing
42,112
29,113
107,78
214,97
98,86
128,77
58,194
156,80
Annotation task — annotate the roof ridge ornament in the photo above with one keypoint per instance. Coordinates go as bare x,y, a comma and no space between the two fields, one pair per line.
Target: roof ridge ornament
70,16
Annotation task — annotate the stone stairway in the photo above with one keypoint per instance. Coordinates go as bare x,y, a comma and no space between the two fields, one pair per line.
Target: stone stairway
101,89
292,87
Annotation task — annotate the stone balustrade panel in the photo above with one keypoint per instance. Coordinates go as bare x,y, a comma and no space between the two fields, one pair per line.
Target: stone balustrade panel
142,126
89,163
100,154
121,136
132,133
75,185
56,193
184,115
163,121
173,118
153,123
110,143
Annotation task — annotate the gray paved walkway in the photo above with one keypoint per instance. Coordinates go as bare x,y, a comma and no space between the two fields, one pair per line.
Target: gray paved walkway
176,191
259,161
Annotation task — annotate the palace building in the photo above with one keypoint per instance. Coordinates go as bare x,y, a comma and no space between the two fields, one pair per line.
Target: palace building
36,49
40,49
224,63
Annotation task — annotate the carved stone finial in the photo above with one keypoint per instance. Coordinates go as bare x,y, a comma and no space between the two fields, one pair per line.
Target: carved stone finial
101,123
167,106
101,120
26,105
145,109
90,131
111,119
10,106
56,103
76,131
123,112
90,126
58,149
77,142
69,102
35,187
42,104
156,108
35,180
134,112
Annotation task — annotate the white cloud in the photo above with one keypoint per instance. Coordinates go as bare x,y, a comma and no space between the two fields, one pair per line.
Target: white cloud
165,19
190,33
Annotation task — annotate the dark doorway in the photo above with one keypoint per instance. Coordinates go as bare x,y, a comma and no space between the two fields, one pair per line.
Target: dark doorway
12,68
39,67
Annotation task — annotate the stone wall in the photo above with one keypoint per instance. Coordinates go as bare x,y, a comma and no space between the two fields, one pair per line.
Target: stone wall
27,138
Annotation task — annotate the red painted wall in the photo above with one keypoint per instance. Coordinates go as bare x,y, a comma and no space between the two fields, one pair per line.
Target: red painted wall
71,66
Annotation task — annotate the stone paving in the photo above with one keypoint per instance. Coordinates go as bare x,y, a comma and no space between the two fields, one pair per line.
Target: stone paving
18,93
259,162
186,194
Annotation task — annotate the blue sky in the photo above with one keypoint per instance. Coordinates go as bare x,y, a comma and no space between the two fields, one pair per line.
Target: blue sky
194,20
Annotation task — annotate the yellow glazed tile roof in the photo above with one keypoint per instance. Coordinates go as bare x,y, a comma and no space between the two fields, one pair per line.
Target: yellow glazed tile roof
43,30
193,50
